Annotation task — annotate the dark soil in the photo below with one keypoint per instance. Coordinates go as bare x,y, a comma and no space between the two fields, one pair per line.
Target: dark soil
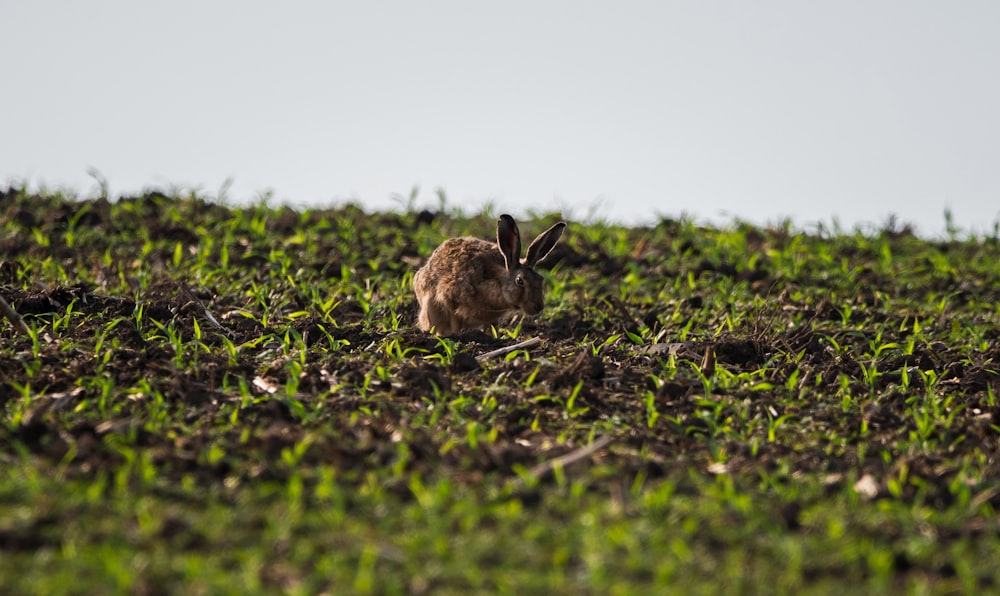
790,333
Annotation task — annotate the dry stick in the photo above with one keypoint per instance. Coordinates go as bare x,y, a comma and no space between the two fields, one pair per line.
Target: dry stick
617,303
983,497
14,318
528,343
570,458
184,289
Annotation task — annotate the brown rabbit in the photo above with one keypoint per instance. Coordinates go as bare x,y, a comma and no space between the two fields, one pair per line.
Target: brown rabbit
469,283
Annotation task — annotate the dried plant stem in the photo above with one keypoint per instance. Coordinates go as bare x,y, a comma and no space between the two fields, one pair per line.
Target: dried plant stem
15,319
572,457
528,343
189,295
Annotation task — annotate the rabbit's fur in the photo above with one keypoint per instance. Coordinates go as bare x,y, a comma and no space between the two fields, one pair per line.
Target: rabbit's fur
468,283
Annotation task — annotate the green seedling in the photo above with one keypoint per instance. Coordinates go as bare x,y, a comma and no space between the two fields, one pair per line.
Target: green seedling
290,431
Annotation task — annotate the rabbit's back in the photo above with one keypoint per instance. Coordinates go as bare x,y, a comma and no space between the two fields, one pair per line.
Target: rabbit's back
463,258
458,265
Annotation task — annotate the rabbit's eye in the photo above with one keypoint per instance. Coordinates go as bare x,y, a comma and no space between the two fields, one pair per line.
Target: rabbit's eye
519,280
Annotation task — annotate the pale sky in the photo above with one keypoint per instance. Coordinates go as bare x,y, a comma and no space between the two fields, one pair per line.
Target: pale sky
757,110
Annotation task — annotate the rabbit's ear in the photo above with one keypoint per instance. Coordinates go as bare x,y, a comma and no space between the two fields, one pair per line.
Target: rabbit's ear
543,244
509,240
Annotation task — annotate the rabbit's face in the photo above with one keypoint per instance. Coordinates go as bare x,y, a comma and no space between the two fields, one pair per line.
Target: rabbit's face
523,290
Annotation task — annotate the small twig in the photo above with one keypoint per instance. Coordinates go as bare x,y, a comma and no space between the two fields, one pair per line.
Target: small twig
984,496
186,291
528,343
15,319
570,458
52,402
617,303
